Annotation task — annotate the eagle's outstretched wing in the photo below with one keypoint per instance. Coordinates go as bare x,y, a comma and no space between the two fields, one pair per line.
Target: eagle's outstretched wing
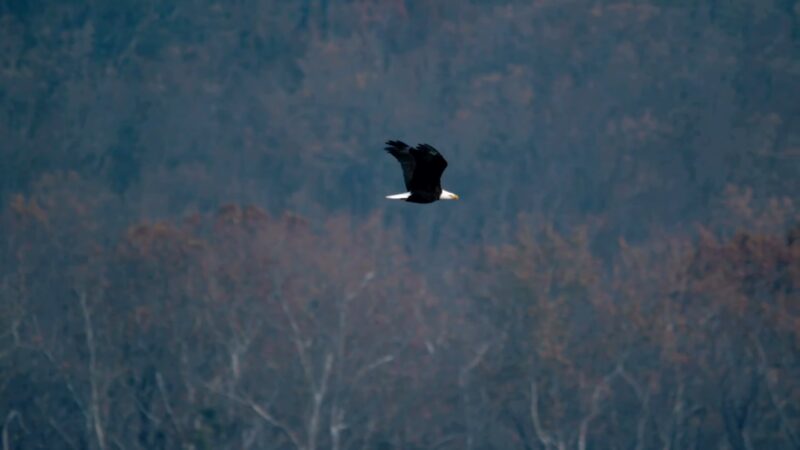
402,152
429,166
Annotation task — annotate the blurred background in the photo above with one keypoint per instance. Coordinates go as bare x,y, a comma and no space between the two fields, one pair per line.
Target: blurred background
196,251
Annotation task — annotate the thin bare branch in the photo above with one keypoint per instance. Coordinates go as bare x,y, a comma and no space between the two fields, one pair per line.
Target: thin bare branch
479,355
269,418
70,387
60,431
544,437
263,413
319,397
296,336
336,427
773,397
97,423
643,394
463,381
601,386
13,414
372,366
168,407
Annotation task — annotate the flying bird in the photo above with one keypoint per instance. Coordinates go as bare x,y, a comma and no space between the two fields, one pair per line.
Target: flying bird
422,171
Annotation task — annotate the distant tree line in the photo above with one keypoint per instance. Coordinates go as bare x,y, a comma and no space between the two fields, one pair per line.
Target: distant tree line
241,329
639,113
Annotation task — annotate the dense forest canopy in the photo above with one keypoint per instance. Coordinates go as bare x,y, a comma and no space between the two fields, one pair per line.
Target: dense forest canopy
197,253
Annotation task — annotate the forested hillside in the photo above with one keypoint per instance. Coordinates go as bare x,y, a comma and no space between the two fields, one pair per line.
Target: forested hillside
196,250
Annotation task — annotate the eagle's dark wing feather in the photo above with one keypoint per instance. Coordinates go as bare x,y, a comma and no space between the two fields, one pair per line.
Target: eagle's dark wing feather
401,151
429,166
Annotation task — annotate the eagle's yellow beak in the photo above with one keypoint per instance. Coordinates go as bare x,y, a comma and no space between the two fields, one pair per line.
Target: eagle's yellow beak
447,195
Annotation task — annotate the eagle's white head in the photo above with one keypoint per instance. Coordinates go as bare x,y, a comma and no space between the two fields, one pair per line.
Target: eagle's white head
447,195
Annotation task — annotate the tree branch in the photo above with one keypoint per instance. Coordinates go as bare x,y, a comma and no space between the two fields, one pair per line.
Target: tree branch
269,418
14,414
61,433
595,411
372,366
773,398
97,423
319,397
544,437
296,337
264,414
464,373
463,381
644,399
167,407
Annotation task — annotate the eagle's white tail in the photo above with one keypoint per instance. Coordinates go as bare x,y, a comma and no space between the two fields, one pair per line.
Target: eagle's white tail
402,196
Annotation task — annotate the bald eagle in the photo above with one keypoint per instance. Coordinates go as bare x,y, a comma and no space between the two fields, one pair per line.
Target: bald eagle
422,171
